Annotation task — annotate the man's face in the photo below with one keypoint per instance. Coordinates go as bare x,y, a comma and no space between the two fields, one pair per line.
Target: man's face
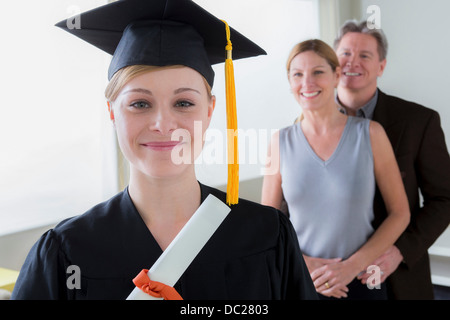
360,61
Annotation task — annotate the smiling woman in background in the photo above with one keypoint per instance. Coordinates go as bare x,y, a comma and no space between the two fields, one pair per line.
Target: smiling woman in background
160,81
328,166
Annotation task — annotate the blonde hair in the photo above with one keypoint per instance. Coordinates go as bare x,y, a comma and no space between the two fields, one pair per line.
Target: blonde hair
317,46
126,74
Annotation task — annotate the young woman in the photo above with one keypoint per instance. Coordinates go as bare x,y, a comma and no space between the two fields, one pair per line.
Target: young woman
160,82
328,166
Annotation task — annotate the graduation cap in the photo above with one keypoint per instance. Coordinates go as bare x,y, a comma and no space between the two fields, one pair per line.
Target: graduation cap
169,32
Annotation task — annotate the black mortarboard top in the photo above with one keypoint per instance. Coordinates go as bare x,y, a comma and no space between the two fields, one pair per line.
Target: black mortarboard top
159,32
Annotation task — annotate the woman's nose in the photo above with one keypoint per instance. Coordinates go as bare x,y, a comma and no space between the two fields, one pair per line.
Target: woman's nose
307,79
163,122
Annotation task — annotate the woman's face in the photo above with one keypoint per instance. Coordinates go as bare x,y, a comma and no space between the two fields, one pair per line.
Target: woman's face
157,107
312,80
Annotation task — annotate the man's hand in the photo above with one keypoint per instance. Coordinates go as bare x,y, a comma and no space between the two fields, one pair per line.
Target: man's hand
388,262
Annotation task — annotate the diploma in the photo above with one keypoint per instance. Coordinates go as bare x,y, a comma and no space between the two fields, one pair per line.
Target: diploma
186,245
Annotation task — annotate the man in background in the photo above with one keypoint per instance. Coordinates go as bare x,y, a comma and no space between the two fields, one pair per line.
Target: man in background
419,145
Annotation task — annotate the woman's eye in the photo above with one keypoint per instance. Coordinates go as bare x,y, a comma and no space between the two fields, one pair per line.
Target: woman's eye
298,74
183,104
140,105
318,72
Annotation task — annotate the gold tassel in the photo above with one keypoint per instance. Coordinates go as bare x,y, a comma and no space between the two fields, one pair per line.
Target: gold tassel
232,139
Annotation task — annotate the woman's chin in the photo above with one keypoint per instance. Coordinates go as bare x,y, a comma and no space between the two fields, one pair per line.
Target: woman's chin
166,170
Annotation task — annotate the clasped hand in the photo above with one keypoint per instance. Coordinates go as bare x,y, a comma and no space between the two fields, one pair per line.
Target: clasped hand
331,276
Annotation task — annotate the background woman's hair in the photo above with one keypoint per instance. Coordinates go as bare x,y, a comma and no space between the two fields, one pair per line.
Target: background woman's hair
319,47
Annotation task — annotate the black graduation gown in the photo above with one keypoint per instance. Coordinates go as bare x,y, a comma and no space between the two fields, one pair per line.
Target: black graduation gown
254,254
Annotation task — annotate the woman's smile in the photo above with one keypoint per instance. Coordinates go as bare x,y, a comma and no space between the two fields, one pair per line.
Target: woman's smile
310,95
161,145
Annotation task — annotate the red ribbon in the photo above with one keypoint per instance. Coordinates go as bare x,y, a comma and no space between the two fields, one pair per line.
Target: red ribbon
154,288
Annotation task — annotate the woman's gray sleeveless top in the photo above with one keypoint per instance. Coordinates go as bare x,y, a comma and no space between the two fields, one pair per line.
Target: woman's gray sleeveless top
330,202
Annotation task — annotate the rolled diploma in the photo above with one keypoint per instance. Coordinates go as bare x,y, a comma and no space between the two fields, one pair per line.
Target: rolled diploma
185,246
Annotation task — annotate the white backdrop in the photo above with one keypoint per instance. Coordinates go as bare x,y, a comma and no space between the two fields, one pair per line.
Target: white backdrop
54,131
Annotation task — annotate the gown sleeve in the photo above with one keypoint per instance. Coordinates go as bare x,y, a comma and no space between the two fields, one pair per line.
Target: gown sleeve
296,282
42,276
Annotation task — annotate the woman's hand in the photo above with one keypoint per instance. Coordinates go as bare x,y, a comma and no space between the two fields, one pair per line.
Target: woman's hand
331,279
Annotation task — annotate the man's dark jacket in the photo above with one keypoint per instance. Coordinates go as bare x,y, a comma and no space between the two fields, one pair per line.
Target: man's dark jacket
419,146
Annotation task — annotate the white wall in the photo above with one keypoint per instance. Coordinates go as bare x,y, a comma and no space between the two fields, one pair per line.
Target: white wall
55,136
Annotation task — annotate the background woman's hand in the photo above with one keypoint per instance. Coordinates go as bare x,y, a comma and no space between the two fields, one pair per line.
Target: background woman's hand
331,279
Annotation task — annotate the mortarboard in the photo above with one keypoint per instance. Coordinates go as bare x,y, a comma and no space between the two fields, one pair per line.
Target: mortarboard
169,32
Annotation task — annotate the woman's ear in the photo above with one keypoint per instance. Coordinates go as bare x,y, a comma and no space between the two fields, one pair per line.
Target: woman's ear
212,105
338,76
